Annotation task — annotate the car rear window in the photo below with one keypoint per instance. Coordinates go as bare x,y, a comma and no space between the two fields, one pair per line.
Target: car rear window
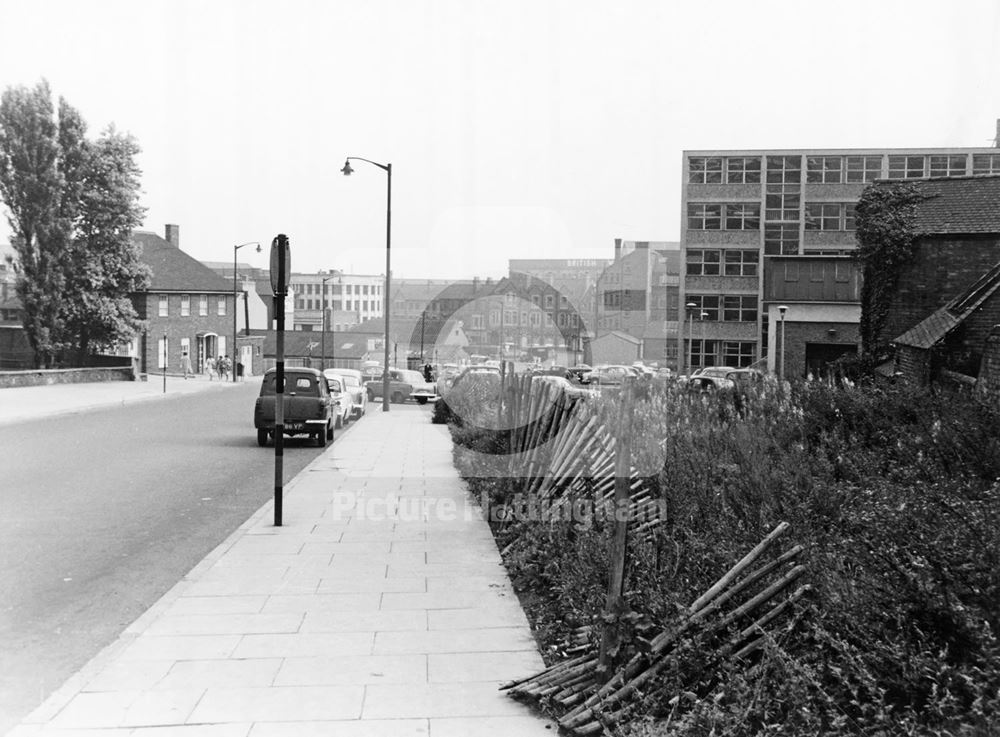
303,386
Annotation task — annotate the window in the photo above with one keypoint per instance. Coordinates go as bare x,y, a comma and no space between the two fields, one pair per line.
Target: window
739,308
743,170
791,271
742,263
536,319
706,306
510,317
850,217
842,271
702,262
561,319
494,318
477,322
781,239
163,310
364,289
221,306
185,305
703,216
536,300
703,353
202,304
550,301
817,272
743,216
861,169
162,348
705,170
947,166
782,198
824,169
906,167
986,163
739,353
825,216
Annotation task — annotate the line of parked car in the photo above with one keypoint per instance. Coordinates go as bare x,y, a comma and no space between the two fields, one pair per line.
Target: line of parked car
316,403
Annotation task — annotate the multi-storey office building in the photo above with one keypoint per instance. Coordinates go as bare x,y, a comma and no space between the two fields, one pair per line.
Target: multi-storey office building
358,295
741,207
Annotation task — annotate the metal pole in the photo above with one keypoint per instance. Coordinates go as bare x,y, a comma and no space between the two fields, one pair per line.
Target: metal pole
164,361
690,341
781,368
423,319
386,297
233,348
322,350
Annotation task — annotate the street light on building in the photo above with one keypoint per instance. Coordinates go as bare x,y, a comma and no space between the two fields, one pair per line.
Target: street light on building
387,168
235,310
781,361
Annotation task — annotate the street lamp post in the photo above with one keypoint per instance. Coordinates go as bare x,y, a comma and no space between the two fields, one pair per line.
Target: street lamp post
781,364
387,168
235,249
322,360
691,306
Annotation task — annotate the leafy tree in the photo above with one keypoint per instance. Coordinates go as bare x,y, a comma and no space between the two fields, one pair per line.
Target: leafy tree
31,184
73,204
885,234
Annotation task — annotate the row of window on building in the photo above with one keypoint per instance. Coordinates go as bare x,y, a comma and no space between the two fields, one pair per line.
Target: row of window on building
734,353
527,319
185,305
363,305
300,288
746,215
857,169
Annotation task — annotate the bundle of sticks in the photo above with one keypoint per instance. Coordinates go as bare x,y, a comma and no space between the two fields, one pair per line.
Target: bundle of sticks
590,698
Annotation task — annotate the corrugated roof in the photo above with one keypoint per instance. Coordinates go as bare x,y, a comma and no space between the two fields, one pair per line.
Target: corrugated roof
936,326
955,204
174,270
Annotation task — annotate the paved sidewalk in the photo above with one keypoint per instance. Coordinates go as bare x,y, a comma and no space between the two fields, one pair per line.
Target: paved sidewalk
22,403
380,608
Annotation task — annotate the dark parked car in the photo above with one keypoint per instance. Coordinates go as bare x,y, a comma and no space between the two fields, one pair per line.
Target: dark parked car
308,406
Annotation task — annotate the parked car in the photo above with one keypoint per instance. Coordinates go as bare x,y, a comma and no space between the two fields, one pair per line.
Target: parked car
716,371
403,384
308,406
580,370
706,382
354,386
746,377
570,388
342,404
610,375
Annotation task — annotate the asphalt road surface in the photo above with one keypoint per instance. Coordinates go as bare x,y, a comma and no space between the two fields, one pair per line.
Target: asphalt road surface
101,513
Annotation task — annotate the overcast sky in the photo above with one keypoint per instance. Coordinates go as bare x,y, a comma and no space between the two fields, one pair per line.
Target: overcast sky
516,129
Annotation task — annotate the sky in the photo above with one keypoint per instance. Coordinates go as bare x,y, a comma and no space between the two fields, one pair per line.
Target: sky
515,129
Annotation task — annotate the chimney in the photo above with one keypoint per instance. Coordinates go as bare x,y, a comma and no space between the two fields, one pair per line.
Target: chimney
173,235
996,141
475,284
618,247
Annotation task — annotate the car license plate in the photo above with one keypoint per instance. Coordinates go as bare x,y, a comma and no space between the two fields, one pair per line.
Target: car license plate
294,425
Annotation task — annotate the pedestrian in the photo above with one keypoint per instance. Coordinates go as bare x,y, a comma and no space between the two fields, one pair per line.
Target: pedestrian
227,366
186,363
427,373
220,367
239,370
210,367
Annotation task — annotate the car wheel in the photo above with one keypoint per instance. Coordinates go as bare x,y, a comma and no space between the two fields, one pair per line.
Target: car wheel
321,438
329,433
397,398
262,438
421,400
339,423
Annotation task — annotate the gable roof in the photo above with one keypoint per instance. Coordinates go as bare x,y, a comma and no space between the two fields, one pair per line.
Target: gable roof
954,205
173,270
936,326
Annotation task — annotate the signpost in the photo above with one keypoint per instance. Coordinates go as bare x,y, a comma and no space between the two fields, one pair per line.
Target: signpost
281,269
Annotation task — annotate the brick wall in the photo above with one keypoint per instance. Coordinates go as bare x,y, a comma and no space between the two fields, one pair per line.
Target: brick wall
914,364
44,377
988,384
797,334
176,327
943,267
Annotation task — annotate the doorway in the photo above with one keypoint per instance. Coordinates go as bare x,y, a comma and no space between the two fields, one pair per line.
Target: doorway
208,344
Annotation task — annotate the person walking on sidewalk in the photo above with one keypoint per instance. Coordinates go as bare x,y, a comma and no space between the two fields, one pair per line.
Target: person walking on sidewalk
210,367
186,363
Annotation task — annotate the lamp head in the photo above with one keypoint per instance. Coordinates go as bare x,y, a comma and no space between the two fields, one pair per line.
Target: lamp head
782,309
258,248
347,170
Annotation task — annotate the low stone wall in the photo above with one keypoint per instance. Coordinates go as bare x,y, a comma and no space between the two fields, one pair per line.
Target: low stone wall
43,377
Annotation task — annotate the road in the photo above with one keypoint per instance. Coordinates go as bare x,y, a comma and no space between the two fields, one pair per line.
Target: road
103,512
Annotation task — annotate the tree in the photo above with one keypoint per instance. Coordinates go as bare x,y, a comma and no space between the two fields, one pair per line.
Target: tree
31,185
105,266
73,204
885,233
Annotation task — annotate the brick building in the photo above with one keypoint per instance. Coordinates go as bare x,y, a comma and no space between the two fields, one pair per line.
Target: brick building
187,308
740,208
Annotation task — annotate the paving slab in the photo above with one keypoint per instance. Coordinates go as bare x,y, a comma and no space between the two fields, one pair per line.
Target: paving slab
379,609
